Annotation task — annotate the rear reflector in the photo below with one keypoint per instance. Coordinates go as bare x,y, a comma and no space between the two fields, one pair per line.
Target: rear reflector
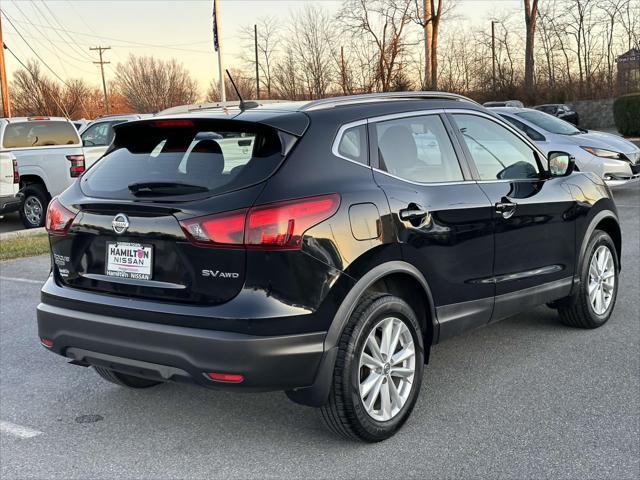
226,377
59,218
46,342
16,175
173,123
276,226
77,165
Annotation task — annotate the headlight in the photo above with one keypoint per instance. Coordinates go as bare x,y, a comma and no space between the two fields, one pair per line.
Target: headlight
599,152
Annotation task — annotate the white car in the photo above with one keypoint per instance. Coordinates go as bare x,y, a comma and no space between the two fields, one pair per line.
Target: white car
97,135
610,156
10,198
49,157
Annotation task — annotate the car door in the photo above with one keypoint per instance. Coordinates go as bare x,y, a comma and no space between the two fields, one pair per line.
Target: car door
441,216
96,140
533,220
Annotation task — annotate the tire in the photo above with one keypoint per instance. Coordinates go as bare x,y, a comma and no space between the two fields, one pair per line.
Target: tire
579,310
345,412
34,208
125,380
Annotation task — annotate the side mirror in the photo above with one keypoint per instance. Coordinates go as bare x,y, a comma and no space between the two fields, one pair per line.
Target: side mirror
561,164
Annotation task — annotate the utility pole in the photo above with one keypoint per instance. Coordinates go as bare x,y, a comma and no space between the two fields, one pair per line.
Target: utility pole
6,107
255,42
102,64
217,46
493,52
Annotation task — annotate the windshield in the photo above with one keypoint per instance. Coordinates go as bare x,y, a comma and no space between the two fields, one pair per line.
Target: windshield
549,122
182,157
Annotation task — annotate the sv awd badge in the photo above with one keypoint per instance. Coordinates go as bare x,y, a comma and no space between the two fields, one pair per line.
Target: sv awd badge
219,274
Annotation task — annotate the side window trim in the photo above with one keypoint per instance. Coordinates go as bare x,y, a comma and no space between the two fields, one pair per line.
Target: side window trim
460,155
521,135
336,142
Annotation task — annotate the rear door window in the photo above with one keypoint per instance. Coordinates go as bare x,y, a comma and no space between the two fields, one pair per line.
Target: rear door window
40,134
184,156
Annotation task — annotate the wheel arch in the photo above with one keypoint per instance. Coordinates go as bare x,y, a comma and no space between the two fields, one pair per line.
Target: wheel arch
607,221
395,277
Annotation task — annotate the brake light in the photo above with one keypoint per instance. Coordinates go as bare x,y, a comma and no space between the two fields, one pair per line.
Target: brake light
77,165
16,175
37,119
225,229
59,218
276,226
281,225
173,123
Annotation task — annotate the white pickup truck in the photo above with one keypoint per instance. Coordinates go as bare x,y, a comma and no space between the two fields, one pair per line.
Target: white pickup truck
49,157
10,198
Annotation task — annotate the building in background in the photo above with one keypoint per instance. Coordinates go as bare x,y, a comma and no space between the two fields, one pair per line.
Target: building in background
629,71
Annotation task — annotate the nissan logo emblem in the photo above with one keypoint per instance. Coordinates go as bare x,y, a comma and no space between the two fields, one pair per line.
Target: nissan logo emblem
120,223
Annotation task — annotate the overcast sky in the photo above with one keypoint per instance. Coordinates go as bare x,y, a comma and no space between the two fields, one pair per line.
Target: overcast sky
61,31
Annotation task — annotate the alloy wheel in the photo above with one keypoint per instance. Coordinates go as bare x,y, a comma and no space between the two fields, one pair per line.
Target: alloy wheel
386,369
602,278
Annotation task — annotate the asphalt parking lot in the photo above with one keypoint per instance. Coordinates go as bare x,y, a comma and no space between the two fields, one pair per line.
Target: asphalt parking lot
523,398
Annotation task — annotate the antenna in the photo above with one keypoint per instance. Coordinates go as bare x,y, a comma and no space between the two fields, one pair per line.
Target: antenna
243,105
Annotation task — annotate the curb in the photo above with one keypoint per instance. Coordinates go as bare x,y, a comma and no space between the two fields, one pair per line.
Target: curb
22,233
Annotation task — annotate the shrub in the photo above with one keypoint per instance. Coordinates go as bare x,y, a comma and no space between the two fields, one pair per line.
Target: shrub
626,114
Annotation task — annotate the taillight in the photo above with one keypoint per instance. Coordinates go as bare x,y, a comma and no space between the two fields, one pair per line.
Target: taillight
276,226
281,225
225,229
59,218
16,176
77,165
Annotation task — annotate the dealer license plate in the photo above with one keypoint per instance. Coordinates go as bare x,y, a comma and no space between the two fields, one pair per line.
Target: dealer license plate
129,260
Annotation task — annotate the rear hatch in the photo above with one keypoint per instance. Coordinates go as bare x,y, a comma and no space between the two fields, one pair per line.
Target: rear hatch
161,215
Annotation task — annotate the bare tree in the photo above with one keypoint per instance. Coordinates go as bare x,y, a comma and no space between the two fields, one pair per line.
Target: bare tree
384,22
149,84
530,18
286,80
312,36
244,82
268,43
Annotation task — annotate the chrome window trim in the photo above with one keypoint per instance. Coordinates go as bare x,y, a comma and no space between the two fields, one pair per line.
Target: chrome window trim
338,139
428,184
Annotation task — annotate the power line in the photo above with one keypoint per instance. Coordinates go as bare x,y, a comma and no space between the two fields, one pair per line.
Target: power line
73,40
177,46
43,62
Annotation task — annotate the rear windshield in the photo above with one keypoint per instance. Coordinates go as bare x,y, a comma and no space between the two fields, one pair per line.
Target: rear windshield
40,134
180,157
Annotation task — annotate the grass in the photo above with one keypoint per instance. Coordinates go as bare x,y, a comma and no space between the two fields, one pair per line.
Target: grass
24,246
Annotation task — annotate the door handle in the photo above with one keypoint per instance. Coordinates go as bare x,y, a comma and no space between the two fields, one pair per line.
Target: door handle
507,209
413,213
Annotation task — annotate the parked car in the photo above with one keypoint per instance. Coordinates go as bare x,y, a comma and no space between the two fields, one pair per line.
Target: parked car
609,156
98,135
505,103
560,110
80,124
328,258
49,158
10,198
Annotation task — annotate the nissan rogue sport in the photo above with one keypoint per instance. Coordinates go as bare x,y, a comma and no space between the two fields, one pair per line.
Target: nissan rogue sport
320,248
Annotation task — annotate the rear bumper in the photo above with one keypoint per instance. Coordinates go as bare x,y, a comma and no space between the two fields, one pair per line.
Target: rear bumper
167,352
11,203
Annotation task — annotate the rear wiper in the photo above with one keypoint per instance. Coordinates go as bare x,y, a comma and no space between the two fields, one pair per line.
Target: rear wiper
164,188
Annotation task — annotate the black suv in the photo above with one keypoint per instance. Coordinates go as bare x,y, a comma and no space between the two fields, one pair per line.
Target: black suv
320,248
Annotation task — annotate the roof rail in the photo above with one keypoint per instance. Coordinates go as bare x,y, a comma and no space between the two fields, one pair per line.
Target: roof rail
197,107
381,97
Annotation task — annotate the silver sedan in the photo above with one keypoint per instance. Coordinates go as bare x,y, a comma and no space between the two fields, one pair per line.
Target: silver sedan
610,156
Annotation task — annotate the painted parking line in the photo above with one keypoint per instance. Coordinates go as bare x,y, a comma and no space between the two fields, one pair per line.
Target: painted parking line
23,280
18,430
